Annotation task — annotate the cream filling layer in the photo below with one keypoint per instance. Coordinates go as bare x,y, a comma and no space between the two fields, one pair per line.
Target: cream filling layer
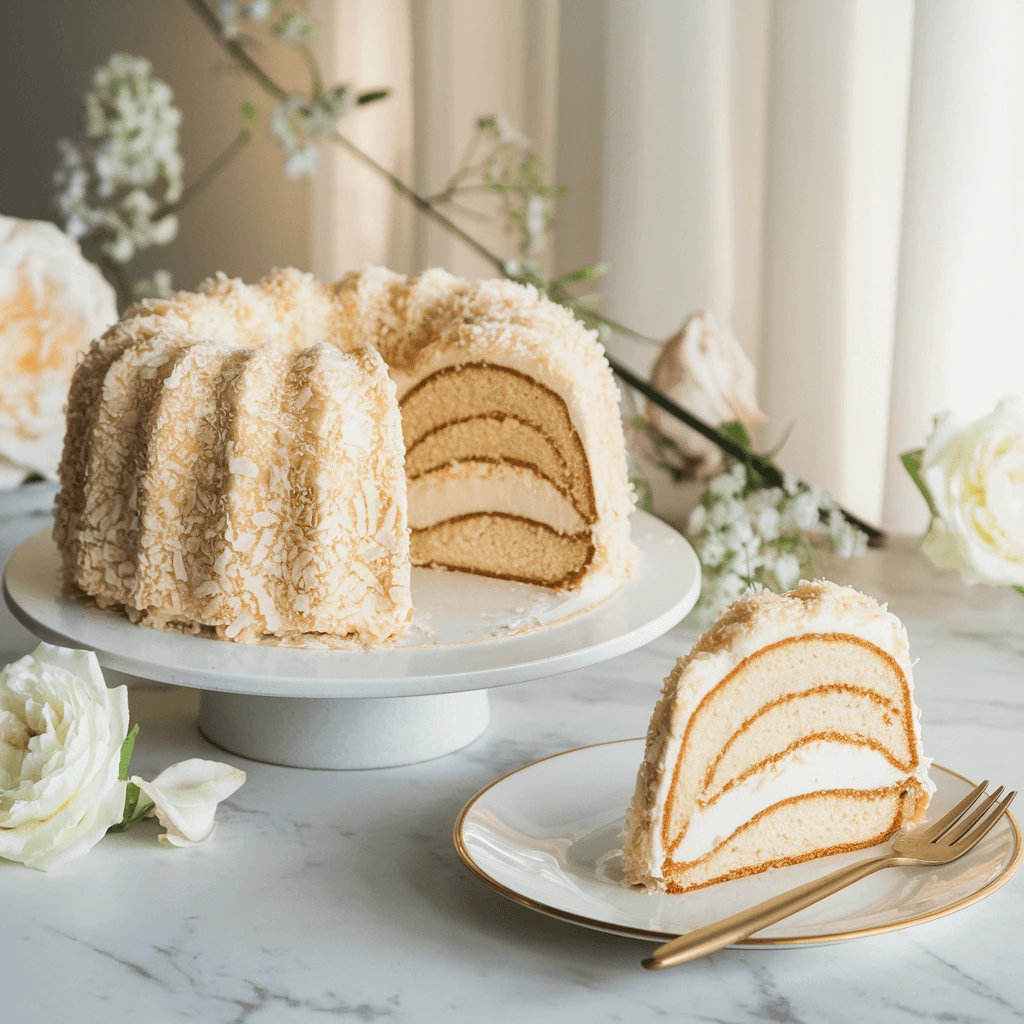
461,488
818,766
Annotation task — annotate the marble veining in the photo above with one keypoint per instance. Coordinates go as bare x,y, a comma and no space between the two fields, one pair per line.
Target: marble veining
339,896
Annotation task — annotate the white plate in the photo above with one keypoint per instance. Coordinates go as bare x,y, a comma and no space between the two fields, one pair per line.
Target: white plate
548,836
469,632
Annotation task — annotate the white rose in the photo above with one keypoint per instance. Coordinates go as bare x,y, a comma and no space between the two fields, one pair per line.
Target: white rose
704,369
185,798
61,732
53,302
974,475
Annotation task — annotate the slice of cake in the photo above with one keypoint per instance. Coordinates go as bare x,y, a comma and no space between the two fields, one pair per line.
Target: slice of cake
789,732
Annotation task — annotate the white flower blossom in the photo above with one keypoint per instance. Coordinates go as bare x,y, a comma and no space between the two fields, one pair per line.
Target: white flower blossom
156,287
500,126
787,570
535,223
763,536
61,731
804,510
114,183
768,520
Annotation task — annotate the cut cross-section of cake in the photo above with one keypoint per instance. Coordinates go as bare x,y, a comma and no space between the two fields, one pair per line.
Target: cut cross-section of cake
789,732
514,454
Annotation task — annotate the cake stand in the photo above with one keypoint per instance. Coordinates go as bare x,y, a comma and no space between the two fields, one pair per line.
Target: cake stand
357,708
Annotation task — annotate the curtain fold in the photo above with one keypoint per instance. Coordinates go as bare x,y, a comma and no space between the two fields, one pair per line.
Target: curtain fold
839,182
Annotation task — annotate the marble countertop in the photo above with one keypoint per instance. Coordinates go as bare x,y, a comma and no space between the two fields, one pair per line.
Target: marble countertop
339,895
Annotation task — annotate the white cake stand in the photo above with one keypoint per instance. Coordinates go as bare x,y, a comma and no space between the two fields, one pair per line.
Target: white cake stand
356,708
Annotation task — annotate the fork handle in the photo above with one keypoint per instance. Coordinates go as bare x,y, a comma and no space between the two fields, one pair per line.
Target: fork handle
747,922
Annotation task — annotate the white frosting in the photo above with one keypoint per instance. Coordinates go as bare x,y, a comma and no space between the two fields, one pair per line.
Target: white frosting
818,766
464,487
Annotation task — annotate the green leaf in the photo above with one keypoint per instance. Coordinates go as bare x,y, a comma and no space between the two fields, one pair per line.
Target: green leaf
132,812
250,112
584,273
371,96
126,753
131,799
737,433
913,461
1020,590
295,28
142,812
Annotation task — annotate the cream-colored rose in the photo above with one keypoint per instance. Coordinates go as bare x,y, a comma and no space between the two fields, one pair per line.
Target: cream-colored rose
185,798
53,302
61,732
974,473
704,369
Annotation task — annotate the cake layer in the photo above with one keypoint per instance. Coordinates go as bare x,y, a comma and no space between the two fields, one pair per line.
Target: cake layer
817,766
836,712
806,827
504,546
460,488
480,390
495,437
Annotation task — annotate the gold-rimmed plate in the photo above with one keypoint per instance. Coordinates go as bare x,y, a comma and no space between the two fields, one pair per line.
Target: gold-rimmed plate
548,836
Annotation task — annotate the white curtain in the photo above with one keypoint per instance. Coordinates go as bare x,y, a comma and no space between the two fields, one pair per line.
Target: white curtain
840,181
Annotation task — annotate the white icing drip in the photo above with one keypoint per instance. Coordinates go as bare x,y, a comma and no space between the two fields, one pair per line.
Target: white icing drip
464,487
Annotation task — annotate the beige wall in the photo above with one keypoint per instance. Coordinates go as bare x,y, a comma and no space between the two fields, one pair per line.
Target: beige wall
250,219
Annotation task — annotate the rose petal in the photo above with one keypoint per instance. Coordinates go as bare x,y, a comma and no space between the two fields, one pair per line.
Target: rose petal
185,797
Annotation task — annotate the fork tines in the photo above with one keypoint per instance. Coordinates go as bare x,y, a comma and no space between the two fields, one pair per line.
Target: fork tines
955,829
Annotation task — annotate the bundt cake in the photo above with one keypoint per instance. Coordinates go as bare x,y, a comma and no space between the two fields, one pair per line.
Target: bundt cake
789,732
249,460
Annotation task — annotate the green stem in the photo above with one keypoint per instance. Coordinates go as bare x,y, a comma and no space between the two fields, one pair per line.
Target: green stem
189,193
314,71
561,296
121,283
236,50
763,466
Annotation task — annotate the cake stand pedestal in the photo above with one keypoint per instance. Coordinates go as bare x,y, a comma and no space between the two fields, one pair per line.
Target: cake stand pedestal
353,732
353,708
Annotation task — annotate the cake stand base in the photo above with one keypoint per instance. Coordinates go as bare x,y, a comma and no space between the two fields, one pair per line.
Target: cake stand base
345,733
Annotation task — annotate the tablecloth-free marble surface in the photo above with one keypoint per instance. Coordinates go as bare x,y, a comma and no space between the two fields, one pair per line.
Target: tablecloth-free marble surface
339,896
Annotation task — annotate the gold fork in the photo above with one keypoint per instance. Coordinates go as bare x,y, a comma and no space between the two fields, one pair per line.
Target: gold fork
950,837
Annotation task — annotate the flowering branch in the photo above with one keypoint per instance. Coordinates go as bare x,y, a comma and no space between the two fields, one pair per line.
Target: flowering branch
761,466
